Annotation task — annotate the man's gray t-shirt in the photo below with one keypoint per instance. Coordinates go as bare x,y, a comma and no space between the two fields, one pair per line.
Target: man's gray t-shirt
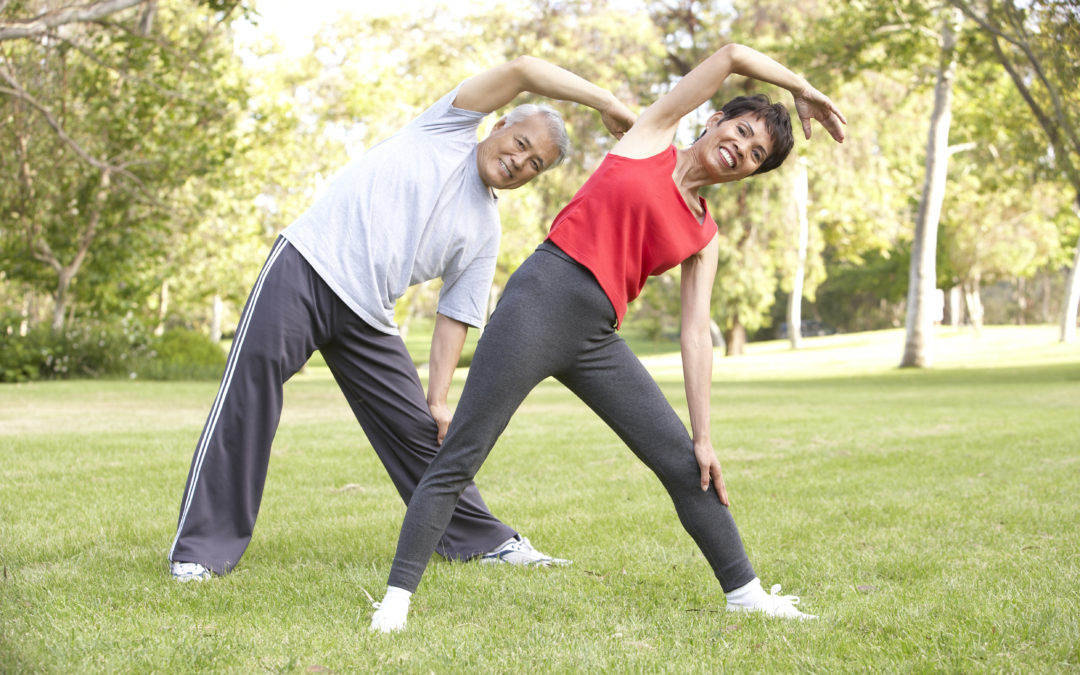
412,208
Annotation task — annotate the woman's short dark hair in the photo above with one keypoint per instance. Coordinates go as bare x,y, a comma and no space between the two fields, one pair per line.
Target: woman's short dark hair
777,123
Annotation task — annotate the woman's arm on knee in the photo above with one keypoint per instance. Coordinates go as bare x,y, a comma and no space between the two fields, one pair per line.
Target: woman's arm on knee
698,273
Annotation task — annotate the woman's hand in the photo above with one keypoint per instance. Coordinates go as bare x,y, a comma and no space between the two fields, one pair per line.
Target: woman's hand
710,470
812,104
617,118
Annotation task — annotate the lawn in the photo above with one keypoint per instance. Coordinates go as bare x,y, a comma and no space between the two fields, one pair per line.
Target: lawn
930,517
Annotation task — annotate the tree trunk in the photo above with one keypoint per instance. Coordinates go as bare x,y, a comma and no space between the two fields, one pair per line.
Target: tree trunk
1072,298
1046,294
956,306
973,300
735,340
216,317
163,308
922,275
60,298
1021,301
800,191
65,273
716,334
493,299
1072,292
24,323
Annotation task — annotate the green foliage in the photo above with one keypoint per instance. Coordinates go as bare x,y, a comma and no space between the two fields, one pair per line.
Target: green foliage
183,355
88,349
868,295
214,155
142,114
99,349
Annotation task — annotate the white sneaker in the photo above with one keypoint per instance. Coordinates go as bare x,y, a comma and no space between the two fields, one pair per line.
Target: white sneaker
389,617
518,551
772,604
188,571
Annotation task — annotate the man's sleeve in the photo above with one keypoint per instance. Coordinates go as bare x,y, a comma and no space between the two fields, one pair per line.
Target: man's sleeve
464,296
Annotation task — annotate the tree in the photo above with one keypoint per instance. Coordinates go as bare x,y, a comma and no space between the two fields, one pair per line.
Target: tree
922,278
1038,45
45,22
108,120
799,190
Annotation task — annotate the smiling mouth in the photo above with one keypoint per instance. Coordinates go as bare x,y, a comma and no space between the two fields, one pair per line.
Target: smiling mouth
506,169
727,157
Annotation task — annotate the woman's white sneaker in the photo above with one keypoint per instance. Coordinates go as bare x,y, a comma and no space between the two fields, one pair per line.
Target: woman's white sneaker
753,598
391,614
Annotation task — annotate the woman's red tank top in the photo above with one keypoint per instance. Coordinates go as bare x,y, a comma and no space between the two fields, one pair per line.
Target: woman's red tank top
629,222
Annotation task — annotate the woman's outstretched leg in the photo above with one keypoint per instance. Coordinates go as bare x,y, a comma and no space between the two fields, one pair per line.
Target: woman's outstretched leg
612,381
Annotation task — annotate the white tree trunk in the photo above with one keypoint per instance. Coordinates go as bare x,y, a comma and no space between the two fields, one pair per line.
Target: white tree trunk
24,322
956,306
216,317
493,299
163,308
1072,292
1072,298
922,275
973,300
716,334
800,191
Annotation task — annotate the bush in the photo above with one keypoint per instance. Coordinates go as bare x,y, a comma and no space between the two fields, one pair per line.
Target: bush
87,349
183,355
20,361
92,349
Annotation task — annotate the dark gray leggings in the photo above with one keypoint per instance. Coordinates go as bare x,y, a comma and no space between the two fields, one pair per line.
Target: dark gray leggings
555,320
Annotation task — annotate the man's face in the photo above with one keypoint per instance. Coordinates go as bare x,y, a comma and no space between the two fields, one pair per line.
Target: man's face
513,155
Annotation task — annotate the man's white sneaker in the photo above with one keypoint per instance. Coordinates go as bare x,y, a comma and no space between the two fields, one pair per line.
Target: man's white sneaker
772,604
518,551
188,571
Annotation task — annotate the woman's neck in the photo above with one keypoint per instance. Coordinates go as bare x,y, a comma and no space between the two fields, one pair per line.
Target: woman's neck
688,178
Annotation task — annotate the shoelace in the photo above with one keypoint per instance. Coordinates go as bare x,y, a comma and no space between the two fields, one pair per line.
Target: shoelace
774,594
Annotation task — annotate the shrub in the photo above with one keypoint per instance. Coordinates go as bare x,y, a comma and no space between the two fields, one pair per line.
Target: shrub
87,349
183,355
20,361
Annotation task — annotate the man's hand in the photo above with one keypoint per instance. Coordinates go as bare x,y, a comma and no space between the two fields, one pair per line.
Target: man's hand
812,104
617,118
441,413
710,470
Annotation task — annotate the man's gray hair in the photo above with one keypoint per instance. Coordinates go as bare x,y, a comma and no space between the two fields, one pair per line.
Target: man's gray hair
556,126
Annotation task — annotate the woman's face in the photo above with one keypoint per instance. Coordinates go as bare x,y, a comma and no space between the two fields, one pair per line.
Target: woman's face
734,148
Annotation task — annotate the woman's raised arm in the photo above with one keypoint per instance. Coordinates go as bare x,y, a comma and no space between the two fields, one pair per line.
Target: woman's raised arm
655,128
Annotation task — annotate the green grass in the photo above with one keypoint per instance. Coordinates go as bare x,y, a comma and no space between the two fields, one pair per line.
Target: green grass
930,518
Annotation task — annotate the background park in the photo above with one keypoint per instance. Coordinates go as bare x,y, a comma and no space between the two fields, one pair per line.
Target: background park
896,375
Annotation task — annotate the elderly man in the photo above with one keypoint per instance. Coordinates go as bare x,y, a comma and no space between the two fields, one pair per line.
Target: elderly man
420,205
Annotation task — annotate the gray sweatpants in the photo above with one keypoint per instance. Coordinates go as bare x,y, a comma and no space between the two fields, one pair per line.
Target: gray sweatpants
290,313
555,320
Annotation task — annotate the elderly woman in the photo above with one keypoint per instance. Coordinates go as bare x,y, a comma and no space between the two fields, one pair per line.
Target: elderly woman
639,214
